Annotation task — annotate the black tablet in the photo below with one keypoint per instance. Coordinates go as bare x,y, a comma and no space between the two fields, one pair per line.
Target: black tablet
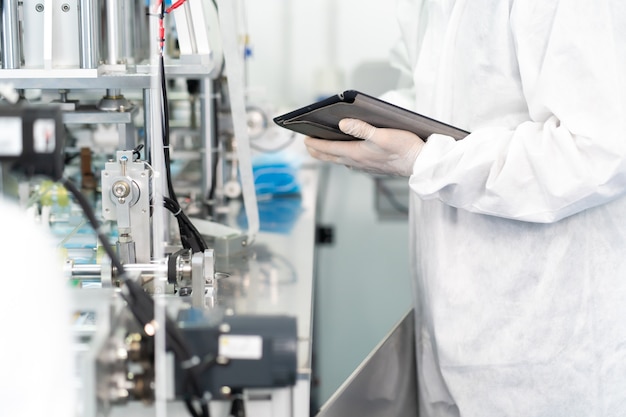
321,119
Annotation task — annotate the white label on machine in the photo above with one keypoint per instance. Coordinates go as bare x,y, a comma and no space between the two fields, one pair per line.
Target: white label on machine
10,136
43,135
241,347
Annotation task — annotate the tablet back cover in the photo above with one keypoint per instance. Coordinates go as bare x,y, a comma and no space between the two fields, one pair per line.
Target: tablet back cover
321,119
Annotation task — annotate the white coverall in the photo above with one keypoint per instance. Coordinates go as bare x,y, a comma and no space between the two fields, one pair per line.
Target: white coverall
37,358
519,230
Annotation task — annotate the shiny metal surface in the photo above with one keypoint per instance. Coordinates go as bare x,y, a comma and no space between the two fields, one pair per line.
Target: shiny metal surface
89,115
73,79
385,383
88,34
113,32
10,35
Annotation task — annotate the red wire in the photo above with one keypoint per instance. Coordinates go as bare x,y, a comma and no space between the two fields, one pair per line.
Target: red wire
175,6
161,35
161,25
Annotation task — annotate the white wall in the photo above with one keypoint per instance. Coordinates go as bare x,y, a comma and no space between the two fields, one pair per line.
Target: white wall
303,49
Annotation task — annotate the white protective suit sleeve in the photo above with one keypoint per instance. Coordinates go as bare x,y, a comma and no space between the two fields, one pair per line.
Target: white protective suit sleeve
571,154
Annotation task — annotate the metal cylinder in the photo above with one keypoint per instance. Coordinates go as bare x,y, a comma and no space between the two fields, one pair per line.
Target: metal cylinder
113,93
113,32
91,271
127,17
10,35
147,114
88,40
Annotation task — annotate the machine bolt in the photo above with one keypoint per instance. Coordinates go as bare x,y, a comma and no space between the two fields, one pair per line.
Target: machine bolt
121,189
224,328
225,390
65,7
39,7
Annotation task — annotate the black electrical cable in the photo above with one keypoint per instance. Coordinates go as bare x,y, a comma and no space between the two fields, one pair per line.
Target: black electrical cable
137,304
165,126
184,225
137,151
190,408
237,405
140,303
189,234
190,237
214,154
91,217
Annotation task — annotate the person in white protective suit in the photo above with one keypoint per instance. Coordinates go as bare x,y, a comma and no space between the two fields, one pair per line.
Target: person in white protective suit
519,230
37,369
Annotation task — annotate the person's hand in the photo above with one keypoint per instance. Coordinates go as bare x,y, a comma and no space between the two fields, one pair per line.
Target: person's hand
382,150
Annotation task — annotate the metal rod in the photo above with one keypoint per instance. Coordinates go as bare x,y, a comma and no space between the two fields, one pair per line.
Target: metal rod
147,124
10,35
128,20
88,30
85,271
206,134
113,31
113,93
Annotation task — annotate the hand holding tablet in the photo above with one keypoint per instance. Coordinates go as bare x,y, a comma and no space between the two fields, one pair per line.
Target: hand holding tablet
321,119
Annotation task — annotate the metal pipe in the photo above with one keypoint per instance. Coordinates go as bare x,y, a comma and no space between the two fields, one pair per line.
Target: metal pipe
207,135
147,124
114,93
88,22
10,35
94,270
113,32
128,19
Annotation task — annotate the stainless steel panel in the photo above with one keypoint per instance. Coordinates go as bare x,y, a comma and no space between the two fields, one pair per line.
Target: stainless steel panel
385,383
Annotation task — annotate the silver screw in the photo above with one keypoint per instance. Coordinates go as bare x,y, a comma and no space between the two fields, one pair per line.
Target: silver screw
65,7
39,7
224,328
225,390
121,189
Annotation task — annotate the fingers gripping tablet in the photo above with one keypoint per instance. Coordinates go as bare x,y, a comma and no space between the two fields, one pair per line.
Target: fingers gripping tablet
321,119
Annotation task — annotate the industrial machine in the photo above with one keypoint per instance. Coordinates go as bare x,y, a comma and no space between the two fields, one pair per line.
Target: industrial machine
124,128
